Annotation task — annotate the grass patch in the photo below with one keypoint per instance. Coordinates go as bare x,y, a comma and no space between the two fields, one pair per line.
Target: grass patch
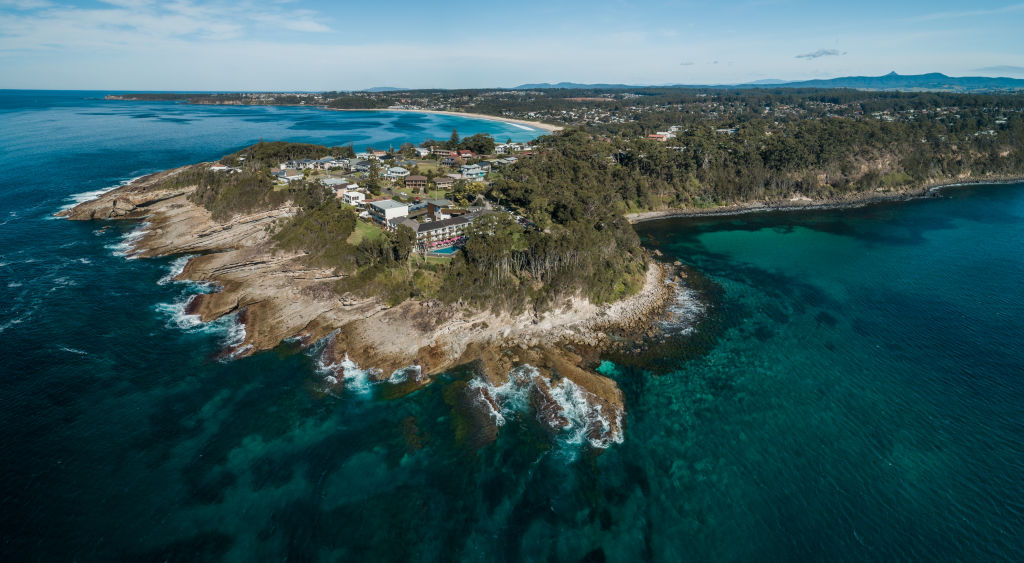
364,230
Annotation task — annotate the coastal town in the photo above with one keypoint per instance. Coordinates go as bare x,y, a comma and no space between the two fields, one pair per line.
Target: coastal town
435,191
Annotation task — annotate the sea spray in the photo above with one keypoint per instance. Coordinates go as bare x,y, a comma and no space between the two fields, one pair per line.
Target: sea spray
126,247
79,198
571,412
349,375
176,267
682,312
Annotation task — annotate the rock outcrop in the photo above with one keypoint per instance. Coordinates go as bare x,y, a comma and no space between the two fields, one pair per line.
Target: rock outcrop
283,297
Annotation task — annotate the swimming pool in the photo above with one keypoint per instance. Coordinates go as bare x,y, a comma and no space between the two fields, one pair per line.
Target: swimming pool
449,250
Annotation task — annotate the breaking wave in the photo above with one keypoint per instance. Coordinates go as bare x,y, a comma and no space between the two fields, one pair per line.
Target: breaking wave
570,411
126,247
76,199
228,327
682,312
177,266
348,375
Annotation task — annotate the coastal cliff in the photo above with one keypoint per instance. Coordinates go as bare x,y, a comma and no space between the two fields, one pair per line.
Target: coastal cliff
277,295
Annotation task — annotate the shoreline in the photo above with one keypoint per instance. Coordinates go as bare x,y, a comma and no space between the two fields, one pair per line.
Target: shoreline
277,297
537,124
546,127
806,204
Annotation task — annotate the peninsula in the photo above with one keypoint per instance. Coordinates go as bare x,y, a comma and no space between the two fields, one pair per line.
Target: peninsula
303,245
415,260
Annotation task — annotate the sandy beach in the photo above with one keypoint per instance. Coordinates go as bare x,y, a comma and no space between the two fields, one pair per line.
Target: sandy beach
532,124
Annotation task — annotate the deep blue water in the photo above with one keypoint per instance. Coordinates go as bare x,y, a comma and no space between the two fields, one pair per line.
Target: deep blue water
853,392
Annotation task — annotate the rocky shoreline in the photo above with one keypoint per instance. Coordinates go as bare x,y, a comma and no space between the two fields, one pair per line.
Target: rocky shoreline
277,296
929,189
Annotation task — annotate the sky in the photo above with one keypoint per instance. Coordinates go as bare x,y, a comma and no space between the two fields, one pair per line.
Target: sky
286,45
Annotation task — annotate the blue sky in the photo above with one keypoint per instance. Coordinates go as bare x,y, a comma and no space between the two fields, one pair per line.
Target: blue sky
311,45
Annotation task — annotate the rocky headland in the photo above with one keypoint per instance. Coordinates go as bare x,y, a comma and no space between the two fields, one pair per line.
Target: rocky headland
277,296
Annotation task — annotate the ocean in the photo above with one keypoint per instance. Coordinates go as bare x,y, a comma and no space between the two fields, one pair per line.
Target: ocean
850,386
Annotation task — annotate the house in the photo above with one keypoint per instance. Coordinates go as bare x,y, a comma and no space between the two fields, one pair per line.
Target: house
362,166
387,209
448,161
657,137
324,163
443,182
396,172
485,166
220,167
472,171
290,175
436,208
509,148
353,198
441,152
416,182
302,164
422,152
334,183
466,154
378,154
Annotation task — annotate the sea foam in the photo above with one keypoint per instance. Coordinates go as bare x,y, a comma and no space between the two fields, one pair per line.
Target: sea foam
581,420
79,198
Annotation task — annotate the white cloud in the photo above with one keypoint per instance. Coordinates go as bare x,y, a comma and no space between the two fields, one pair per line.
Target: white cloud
821,53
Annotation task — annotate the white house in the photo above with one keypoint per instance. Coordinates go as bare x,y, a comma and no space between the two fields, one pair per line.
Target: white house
353,198
472,171
387,209
422,152
396,172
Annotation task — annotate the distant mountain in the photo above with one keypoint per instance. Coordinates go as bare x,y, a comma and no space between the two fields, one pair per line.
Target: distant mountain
575,86
933,82
383,89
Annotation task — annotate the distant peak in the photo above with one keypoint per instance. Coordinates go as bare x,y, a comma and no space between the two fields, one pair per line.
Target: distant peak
892,73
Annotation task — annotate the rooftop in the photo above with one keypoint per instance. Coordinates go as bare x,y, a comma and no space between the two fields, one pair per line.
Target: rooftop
387,204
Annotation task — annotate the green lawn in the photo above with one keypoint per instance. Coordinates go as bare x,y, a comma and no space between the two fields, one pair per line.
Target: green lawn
364,230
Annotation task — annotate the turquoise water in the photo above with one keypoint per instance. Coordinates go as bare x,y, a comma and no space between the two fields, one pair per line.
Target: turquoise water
853,391
449,250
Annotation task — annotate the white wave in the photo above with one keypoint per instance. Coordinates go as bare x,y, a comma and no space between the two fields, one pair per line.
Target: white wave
520,126
512,396
176,316
83,197
584,417
584,421
83,260
74,351
10,323
351,375
126,247
61,282
234,332
404,374
14,284
177,266
683,312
